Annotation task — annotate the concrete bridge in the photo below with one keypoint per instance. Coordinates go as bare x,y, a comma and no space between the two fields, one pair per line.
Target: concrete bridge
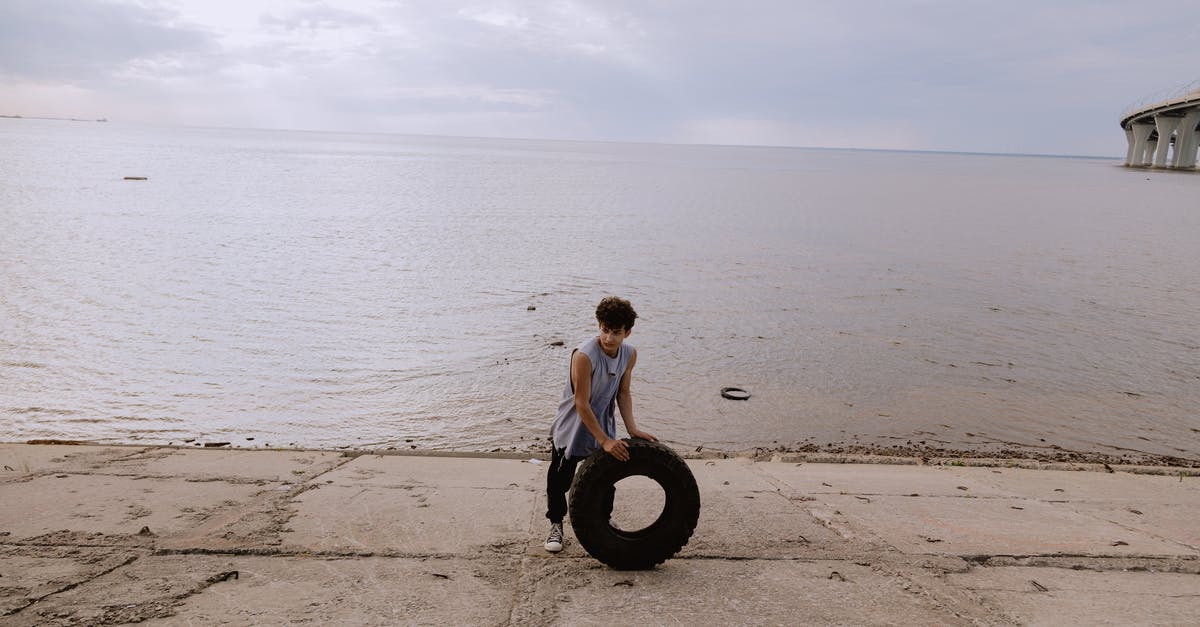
1162,130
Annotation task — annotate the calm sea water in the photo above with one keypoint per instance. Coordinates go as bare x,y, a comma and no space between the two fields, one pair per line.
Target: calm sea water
328,290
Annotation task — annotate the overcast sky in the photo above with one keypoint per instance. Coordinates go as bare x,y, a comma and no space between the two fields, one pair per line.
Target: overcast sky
1038,76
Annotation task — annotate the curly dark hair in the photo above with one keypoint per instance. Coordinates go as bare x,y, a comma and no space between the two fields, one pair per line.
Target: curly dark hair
615,313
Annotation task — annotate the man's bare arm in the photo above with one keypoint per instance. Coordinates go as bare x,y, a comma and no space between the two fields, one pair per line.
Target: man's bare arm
625,402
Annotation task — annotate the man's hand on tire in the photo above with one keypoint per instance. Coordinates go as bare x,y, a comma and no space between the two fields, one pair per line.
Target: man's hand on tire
616,448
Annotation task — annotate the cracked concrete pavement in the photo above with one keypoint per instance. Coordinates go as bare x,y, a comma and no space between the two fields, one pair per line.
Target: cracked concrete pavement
94,535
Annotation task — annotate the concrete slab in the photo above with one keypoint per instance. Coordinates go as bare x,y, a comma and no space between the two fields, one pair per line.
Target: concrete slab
398,539
411,519
733,475
28,574
723,592
1058,485
743,514
146,588
219,464
110,504
19,461
367,591
882,479
760,525
452,472
1057,596
1172,523
964,526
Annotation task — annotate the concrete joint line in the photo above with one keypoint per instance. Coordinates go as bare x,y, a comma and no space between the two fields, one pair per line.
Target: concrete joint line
949,598
757,558
131,559
332,468
519,595
74,545
267,502
779,485
152,452
1182,565
276,552
139,476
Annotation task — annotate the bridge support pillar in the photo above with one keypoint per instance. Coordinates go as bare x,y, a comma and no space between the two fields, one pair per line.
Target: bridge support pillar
1139,144
1166,127
1151,149
1185,140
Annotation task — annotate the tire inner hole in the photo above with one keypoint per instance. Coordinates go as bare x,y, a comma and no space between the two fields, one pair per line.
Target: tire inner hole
638,501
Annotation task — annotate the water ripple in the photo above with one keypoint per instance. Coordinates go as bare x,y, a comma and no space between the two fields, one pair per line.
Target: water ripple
408,290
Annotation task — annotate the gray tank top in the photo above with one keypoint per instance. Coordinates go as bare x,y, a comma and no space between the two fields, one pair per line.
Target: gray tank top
568,430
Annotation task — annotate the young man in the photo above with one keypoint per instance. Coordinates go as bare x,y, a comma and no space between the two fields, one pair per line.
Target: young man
600,372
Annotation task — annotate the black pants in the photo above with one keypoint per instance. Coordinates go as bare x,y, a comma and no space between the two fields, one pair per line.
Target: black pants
559,476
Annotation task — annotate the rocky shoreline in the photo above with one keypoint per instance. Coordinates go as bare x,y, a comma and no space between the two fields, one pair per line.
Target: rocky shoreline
1052,456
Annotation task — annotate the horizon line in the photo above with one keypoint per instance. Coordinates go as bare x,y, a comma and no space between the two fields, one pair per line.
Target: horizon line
982,153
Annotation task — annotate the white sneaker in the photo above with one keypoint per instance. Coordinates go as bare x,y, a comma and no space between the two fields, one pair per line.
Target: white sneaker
554,542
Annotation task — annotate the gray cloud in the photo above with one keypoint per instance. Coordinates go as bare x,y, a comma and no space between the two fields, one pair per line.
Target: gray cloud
81,40
1018,76
319,16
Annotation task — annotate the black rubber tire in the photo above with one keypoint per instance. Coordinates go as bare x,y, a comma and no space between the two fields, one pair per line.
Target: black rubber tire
644,548
735,394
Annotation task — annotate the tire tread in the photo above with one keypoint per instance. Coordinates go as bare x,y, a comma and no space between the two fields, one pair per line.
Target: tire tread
671,532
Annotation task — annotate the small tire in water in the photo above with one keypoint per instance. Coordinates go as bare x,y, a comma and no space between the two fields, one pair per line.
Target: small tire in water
643,548
735,394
